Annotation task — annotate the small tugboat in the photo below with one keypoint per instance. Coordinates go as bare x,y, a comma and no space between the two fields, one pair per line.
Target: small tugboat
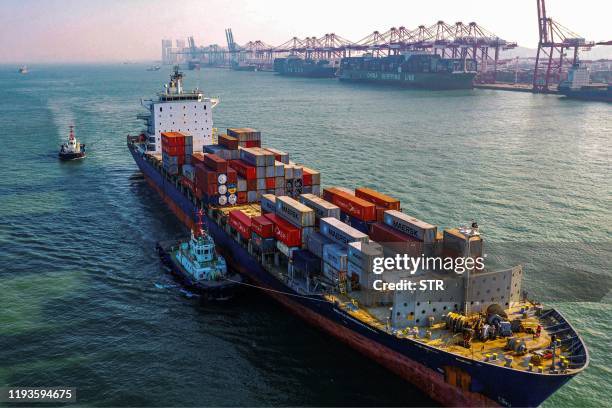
72,150
23,69
198,266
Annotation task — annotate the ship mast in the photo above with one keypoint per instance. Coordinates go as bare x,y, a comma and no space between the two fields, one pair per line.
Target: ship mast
199,225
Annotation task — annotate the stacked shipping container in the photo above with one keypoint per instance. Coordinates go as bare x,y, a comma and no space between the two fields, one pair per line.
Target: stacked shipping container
177,149
260,170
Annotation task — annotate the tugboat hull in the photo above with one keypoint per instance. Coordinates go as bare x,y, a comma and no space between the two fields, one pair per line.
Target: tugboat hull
208,290
71,156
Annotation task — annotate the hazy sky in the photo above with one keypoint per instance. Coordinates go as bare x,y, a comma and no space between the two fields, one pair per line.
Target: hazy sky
111,30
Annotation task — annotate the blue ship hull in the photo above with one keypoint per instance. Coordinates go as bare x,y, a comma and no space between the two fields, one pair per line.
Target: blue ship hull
588,93
445,377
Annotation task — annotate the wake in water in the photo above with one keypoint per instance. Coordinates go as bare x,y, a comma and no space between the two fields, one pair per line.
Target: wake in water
164,286
184,291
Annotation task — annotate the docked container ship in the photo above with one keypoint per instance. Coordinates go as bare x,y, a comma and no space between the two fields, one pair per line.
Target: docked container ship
579,86
481,342
427,71
309,68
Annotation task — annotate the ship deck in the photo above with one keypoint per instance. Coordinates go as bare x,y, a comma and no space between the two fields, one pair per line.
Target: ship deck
491,351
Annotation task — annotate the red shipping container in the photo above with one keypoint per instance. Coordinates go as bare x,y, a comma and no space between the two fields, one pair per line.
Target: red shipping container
197,158
328,193
241,223
262,226
241,197
397,241
215,162
243,169
380,199
229,142
173,139
354,206
174,150
307,177
380,214
270,182
205,176
252,185
232,176
252,143
285,232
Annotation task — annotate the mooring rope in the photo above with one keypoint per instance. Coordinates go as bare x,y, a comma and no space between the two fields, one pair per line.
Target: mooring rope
277,291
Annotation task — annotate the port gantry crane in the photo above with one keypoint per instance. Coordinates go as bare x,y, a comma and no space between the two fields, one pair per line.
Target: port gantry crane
469,41
554,43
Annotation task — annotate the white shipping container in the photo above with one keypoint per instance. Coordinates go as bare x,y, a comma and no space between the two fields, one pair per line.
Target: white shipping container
279,169
316,189
336,255
260,172
289,171
316,176
268,203
340,232
270,171
298,172
284,157
261,183
363,254
411,226
322,208
253,156
316,242
242,184
295,212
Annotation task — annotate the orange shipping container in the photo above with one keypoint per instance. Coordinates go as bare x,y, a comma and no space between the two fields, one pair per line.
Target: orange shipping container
380,199
173,139
351,205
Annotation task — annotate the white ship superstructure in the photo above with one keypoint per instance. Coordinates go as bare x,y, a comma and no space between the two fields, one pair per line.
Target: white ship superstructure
179,110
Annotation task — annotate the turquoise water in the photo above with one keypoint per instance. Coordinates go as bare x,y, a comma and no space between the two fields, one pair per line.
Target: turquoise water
78,300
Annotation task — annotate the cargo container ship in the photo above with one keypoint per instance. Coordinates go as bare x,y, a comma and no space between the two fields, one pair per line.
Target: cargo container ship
309,68
579,86
427,71
478,343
